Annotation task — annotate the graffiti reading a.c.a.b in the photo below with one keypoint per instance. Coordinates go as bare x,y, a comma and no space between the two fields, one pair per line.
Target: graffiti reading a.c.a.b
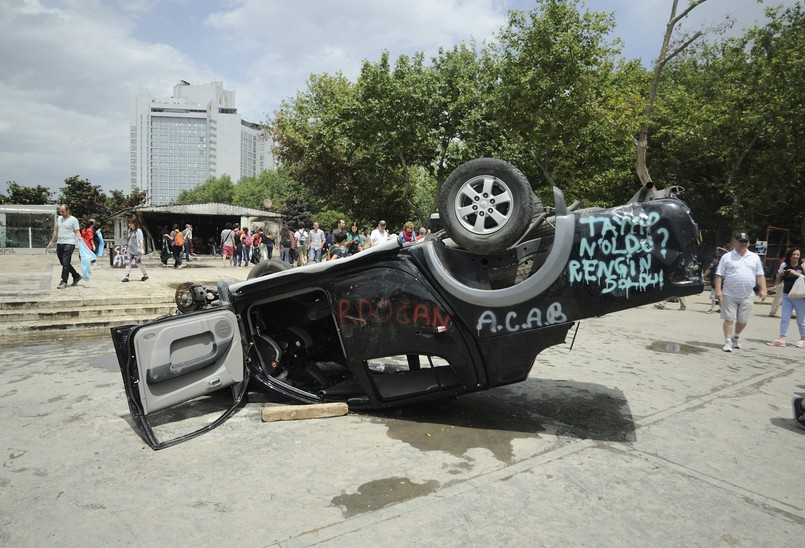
511,322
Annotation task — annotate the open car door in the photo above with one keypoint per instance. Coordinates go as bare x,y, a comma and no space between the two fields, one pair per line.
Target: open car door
182,374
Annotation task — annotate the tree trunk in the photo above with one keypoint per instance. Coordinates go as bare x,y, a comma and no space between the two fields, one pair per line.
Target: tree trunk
641,142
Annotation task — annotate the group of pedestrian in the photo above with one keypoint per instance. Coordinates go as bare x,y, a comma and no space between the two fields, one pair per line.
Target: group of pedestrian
302,246
738,275
244,246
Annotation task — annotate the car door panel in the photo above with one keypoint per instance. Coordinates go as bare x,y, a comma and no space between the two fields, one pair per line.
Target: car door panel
187,357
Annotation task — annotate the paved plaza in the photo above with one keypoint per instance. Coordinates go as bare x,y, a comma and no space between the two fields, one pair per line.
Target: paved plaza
643,434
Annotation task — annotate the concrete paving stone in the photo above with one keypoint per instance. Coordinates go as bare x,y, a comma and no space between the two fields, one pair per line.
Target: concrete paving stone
644,434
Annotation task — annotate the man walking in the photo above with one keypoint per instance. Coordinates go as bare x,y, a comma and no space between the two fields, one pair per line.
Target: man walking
66,234
316,243
736,276
187,234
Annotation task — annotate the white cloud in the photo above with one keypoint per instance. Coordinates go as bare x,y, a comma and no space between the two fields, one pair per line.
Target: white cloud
71,68
285,42
67,88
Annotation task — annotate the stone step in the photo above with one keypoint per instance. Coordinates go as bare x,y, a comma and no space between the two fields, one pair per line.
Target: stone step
34,330
85,313
85,301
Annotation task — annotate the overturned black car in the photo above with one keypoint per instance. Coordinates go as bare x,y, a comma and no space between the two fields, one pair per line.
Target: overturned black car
465,309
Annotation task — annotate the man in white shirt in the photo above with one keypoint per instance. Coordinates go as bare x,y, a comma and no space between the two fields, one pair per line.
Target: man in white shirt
737,274
379,235
187,234
66,235
316,241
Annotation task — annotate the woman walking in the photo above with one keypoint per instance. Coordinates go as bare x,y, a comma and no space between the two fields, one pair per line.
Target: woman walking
790,270
136,249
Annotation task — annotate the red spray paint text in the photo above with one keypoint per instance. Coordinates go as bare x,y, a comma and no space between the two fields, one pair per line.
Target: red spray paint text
363,312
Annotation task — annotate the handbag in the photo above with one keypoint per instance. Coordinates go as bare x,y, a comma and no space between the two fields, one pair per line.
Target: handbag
798,289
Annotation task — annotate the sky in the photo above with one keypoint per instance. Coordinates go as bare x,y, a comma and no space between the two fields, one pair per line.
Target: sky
70,70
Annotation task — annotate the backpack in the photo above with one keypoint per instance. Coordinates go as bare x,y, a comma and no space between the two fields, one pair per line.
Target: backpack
286,241
247,241
178,240
256,240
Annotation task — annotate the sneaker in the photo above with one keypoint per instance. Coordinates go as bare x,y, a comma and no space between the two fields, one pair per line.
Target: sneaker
659,306
61,285
736,344
778,342
800,344
799,414
727,346
143,278
180,266
76,280
126,279
709,311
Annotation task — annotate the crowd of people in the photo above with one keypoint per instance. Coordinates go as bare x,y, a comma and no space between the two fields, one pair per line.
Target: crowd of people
300,246
294,245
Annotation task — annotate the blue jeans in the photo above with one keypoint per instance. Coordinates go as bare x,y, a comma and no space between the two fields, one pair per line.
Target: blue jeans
315,255
64,252
246,251
285,254
785,315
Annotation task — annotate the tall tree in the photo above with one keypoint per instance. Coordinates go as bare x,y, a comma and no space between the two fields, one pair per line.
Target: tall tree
549,94
274,185
118,201
296,212
86,201
729,127
665,56
218,190
38,195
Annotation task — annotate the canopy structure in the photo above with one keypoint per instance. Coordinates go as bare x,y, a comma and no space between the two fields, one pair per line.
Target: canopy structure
208,221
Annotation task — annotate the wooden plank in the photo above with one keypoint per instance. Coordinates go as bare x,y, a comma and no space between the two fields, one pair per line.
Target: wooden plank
296,412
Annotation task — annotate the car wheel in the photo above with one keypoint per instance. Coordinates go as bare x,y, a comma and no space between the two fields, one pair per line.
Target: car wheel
266,267
486,205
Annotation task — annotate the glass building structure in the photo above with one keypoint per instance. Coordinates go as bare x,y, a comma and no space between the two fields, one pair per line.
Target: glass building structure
179,142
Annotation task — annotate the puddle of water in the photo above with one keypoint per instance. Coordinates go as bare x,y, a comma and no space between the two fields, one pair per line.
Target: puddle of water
494,419
670,347
456,426
379,493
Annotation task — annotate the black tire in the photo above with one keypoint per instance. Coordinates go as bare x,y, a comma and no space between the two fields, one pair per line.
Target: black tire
486,205
266,267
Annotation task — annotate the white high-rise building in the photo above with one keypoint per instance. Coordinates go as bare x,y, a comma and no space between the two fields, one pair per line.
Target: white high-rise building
179,142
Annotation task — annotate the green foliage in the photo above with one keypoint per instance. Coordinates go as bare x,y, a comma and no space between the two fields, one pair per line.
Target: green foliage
18,194
86,201
328,219
554,100
729,127
554,97
276,186
118,201
218,190
296,213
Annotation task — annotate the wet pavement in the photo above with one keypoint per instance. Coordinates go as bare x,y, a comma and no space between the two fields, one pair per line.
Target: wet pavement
644,434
